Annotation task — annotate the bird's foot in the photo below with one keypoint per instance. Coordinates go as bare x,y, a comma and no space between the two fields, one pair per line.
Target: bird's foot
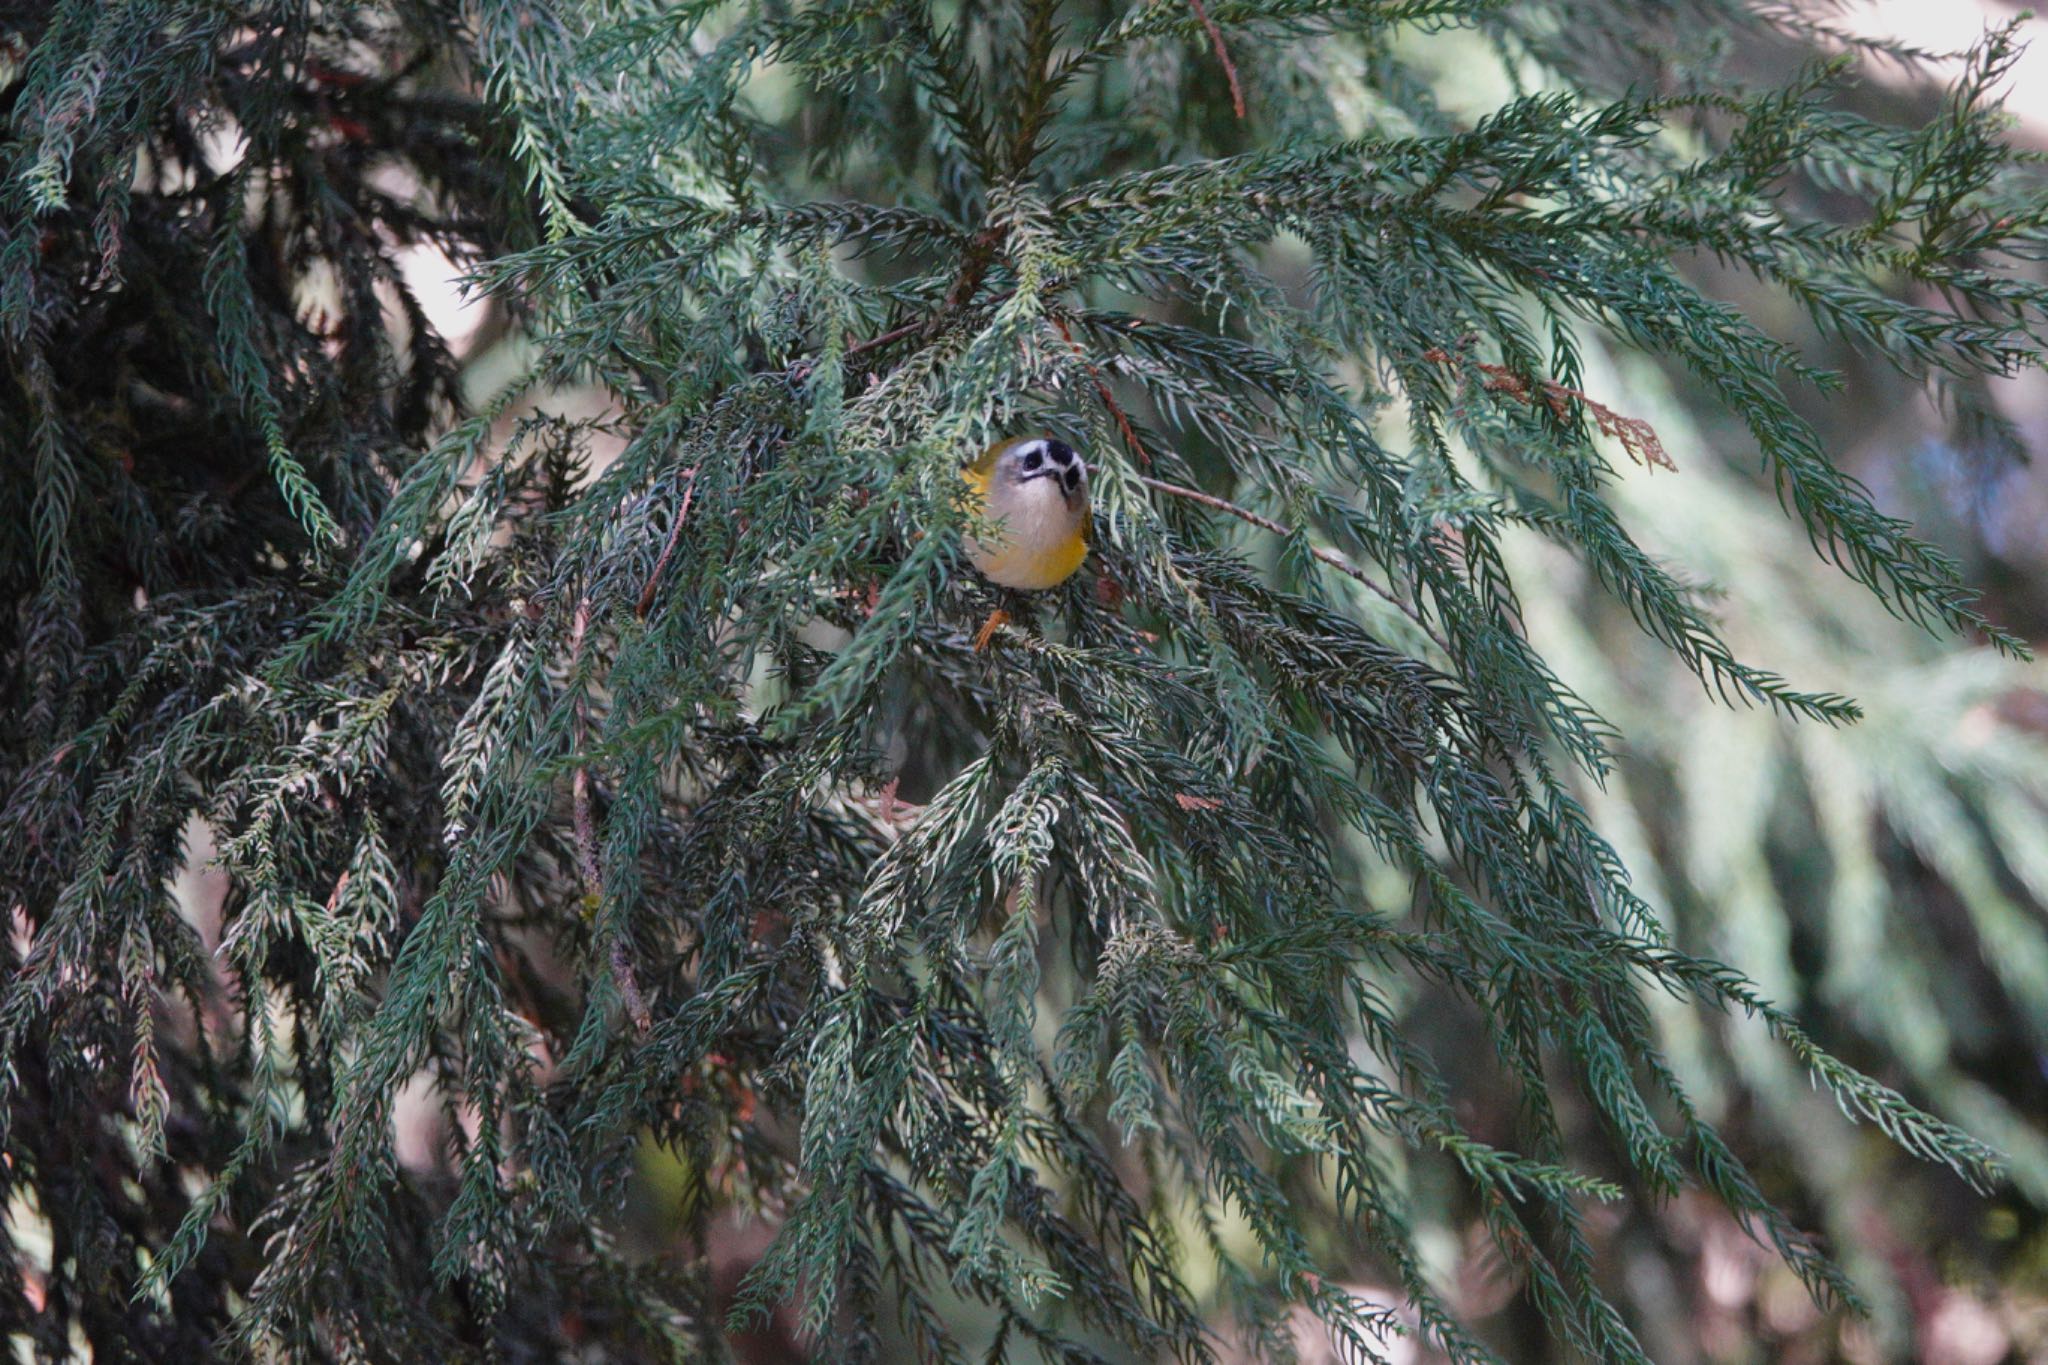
997,619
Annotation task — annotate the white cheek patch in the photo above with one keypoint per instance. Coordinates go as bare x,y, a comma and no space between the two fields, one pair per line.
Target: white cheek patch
1046,459
1066,464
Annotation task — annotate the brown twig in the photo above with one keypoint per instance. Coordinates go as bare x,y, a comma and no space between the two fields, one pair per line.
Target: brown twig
973,269
1329,557
586,844
981,254
893,334
1638,438
1223,56
682,515
1108,398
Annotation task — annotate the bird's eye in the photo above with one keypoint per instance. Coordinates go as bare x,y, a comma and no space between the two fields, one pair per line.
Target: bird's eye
1072,478
1033,458
1062,453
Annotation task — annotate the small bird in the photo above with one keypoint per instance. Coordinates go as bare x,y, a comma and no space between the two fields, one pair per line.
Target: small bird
1032,494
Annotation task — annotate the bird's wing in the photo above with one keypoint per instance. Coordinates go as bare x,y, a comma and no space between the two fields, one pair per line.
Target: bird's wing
986,465
982,470
977,487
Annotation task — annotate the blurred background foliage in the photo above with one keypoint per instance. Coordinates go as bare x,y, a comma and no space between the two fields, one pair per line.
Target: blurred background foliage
1886,881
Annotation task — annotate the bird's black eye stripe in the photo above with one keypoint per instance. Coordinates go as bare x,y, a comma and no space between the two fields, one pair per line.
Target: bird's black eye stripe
1072,478
1062,453
1033,458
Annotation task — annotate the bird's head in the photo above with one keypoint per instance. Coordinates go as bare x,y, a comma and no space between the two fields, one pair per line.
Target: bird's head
1043,463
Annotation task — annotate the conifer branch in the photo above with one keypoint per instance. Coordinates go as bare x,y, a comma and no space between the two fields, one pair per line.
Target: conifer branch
668,547
1123,422
1639,440
1222,55
588,856
1329,557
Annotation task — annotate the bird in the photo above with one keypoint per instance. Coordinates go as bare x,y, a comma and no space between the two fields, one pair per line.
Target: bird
1031,493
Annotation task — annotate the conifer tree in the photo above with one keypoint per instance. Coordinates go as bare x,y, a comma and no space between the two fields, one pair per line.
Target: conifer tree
636,776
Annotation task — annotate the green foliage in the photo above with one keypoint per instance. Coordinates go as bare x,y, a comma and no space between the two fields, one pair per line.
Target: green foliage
1883,879
634,776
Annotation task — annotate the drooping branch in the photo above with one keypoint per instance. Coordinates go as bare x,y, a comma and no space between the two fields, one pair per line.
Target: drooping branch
585,825
1329,557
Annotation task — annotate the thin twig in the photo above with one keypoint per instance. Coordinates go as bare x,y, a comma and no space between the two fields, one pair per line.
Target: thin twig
1639,440
1222,55
1329,557
586,844
675,530
1108,398
893,334
801,369
981,254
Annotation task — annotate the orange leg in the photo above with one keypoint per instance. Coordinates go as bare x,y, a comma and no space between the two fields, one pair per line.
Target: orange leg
997,619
